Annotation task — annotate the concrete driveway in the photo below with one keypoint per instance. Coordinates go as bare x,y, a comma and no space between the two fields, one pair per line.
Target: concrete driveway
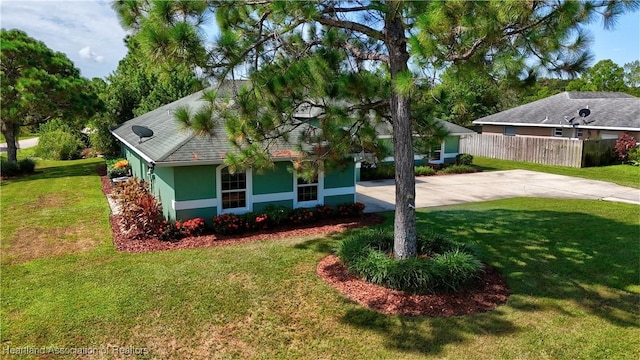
22,144
379,195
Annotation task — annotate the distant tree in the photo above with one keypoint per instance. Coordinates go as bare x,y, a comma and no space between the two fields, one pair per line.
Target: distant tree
348,61
632,77
138,86
462,97
37,85
632,73
605,75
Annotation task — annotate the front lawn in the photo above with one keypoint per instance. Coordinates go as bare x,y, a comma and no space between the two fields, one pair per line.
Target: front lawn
625,175
571,265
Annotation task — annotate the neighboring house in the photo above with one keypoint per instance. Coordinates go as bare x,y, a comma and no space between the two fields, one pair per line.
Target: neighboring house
609,115
445,152
188,175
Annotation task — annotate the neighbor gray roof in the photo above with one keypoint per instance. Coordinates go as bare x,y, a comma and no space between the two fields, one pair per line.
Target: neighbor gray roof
609,111
172,145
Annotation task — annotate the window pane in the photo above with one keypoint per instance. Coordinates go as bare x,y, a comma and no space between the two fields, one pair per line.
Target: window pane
232,200
308,193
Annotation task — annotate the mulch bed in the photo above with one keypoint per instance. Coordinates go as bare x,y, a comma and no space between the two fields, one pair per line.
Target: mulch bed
488,293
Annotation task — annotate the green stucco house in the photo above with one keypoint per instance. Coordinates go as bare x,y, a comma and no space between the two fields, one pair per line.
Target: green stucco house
445,152
188,175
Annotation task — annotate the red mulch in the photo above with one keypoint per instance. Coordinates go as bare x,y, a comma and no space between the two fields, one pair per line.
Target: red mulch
488,293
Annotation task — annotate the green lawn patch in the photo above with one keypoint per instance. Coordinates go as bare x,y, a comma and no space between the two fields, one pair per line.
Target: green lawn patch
625,175
571,265
22,136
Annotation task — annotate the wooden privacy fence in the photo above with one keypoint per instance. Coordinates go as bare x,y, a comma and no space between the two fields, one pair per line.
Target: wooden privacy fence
541,150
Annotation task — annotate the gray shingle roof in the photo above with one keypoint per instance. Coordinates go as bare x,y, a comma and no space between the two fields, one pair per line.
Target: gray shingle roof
609,110
171,144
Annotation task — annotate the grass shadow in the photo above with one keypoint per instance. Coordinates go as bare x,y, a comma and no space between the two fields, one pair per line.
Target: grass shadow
553,254
77,168
406,333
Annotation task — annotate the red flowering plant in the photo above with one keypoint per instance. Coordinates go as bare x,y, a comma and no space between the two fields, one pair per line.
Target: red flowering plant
226,224
351,210
255,221
191,227
301,216
323,212
169,232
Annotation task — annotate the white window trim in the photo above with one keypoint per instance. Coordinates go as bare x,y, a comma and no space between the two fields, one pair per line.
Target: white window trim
306,204
554,132
442,153
248,190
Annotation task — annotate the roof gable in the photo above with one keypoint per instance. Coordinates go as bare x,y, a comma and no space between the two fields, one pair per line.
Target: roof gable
609,110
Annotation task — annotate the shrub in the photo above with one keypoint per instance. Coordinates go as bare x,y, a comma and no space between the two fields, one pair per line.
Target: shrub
101,138
88,153
170,232
9,168
625,143
23,166
26,166
141,211
458,169
276,215
464,159
446,265
254,221
226,224
191,227
634,157
351,209
118,168
323,212
377,171
301,216
424,171
59,145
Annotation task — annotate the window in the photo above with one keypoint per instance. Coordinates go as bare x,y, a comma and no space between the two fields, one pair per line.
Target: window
579,133
436,152
308,191
234,189
509,131
557,132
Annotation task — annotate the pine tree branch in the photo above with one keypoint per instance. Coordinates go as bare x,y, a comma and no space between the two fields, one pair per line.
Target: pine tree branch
332,9
353,26
361,55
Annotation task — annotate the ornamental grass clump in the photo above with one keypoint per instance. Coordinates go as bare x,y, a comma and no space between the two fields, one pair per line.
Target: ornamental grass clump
441,265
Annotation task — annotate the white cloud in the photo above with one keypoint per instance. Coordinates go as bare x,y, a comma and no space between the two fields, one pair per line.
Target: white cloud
67,26
86,53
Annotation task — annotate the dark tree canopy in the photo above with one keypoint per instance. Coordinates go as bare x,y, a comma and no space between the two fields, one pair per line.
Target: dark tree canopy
356,66
38,84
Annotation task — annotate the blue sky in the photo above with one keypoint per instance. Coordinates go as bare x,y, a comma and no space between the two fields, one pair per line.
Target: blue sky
89,33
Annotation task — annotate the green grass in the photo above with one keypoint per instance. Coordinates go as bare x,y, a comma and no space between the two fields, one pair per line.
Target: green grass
625,175
571,265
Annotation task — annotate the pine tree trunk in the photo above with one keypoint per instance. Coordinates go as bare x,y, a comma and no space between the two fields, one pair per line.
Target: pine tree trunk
10,132
404,245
